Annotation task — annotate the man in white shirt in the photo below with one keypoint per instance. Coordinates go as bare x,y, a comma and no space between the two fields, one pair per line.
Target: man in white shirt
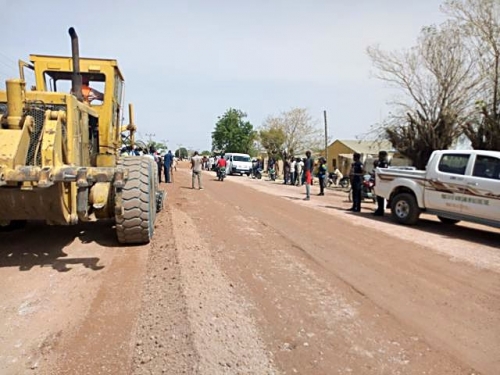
196,166
300,167
339,176
293,175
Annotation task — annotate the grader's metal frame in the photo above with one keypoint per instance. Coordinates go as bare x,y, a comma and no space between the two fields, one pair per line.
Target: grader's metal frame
59,156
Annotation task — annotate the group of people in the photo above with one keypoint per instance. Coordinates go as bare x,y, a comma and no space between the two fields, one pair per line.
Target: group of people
166,163
211,163
294,171
298,172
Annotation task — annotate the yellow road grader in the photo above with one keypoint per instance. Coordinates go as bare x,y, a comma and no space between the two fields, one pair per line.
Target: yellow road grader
59,152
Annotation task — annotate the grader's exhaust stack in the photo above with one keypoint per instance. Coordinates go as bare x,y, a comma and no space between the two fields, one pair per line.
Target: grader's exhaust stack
76,78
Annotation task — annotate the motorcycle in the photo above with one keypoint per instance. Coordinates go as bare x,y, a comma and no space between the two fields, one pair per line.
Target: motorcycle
344,182
221,173
367,191
332,180
272,174
257,173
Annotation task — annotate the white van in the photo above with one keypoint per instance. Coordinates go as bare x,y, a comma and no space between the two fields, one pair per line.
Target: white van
238,163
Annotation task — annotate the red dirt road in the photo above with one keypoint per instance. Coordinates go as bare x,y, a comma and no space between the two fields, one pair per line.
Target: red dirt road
244,277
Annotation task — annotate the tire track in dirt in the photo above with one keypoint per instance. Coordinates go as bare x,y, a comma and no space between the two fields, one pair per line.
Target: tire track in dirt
192,321
224,332
163,334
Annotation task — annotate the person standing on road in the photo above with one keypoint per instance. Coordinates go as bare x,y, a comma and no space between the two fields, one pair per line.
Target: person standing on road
174,164
167,165
255,167
159,163
299,168
308,170
270,163
286,171
293,175
196,166
382,163
356,176
211,161
322,169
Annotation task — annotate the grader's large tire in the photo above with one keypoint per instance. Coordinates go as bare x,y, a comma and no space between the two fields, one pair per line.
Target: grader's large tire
136,225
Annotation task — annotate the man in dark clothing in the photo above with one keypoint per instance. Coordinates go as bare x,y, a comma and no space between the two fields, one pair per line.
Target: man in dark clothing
167,164
270,163
322,169
382,163
356,176
255,167
286,171
308,170
159,163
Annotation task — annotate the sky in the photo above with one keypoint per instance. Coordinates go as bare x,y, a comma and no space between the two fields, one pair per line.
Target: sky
186,62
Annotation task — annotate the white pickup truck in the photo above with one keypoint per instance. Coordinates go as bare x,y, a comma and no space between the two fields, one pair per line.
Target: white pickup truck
456,185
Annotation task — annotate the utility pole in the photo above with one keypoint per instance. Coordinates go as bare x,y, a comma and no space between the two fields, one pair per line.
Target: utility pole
326,141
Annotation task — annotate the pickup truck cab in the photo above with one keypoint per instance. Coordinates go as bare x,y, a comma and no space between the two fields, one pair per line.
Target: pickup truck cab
456,185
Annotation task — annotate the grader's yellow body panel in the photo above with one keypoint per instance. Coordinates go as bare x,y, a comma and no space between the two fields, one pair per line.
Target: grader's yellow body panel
59,152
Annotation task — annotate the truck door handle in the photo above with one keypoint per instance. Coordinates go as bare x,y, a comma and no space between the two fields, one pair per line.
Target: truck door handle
472,183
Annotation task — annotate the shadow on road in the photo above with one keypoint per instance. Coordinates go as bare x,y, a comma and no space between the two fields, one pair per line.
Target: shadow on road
475,235
42,245
293,198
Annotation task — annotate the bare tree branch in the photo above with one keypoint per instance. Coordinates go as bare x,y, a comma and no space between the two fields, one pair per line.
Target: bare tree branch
438,77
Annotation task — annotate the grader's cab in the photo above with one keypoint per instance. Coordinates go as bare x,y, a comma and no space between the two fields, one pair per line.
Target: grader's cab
59,149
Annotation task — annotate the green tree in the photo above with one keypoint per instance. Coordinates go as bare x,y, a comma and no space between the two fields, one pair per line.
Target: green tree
181,153
233,133
206,153
272,139
157,145
147,145
301,131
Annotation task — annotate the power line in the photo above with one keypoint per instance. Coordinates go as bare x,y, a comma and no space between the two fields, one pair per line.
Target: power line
7,65
8,58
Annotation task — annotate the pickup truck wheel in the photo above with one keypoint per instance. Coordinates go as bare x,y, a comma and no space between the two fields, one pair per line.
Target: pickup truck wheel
405,209
448,221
